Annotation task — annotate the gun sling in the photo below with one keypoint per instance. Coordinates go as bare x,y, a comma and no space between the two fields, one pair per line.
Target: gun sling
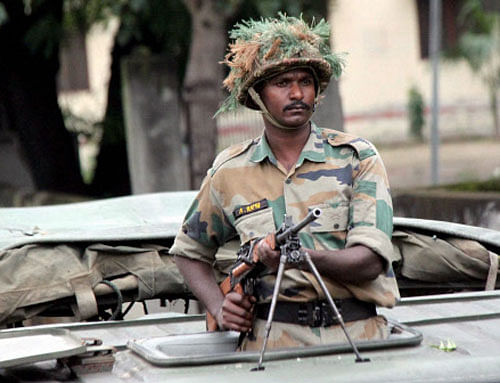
317,313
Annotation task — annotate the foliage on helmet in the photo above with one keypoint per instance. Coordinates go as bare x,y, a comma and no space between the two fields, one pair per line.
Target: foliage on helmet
265,47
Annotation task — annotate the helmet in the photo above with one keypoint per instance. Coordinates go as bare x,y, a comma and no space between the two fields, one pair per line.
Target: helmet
269,46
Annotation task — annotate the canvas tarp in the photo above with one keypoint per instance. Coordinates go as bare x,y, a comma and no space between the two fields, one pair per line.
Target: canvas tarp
429,258
35,274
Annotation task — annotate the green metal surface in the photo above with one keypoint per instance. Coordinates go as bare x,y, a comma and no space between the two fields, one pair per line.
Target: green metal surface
469,320
148,216
407,337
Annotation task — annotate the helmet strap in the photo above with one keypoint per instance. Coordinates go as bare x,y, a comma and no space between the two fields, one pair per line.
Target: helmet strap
265,112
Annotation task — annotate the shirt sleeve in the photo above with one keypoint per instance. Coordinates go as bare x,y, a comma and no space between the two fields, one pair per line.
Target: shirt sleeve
370,214
205,227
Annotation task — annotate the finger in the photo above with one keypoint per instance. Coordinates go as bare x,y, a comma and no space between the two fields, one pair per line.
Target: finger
270,258
235,322
265,248
243,301
237,310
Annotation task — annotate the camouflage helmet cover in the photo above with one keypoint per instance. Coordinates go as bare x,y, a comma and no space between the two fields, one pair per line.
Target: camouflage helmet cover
264,48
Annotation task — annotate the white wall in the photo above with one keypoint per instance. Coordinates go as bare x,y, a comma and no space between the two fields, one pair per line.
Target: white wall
383,62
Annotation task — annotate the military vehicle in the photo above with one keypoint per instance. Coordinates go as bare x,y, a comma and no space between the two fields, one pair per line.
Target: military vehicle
82,266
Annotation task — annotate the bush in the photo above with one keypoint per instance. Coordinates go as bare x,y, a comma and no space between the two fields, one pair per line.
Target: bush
491,185
416,110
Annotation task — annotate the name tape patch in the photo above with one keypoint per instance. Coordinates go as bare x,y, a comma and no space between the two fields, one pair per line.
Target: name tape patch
250,208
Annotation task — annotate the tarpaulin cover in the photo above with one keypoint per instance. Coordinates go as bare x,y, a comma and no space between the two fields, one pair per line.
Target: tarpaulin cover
41,273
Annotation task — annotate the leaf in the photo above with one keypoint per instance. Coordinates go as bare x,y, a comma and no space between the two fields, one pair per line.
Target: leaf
138,5
450,346
43,36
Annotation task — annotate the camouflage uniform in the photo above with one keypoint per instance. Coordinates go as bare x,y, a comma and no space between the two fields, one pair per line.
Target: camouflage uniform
247,194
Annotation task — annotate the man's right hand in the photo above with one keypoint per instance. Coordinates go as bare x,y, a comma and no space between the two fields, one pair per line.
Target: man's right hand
267,255
235,312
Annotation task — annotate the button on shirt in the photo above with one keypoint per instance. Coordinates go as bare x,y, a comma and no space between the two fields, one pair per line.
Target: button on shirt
247,193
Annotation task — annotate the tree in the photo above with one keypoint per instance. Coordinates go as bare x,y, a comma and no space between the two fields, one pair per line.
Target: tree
416,113
176,28
200,71
30,36
480,47
203,80
154,27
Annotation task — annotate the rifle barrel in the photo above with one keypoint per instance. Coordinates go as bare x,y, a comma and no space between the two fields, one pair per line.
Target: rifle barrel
311,216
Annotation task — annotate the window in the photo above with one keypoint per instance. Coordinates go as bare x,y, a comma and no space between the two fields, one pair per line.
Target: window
450,30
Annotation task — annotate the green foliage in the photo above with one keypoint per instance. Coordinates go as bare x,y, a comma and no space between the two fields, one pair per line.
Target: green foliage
476,49
416,113
308,9
279,28
481,41
43,36
155,26
480,44
449,346
80,15
474,19
4,17
491,185
254,39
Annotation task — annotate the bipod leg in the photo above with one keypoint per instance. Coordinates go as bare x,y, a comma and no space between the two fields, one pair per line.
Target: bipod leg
312,267
270,316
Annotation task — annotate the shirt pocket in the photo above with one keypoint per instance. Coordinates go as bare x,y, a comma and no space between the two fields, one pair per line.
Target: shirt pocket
331,219
255,225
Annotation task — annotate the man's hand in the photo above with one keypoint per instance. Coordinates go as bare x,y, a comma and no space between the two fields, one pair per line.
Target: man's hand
236,312
268,256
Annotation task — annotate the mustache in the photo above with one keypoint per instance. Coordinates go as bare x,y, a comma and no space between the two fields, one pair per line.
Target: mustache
295,104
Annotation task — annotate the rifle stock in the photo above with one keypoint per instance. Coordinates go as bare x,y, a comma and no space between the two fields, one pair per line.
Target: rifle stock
226,287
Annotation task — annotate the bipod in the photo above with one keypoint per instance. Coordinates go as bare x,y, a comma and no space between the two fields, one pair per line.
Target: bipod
274,300
290,254
314,270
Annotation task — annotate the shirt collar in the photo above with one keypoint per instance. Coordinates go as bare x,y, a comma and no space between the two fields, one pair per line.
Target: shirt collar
313,149
263,151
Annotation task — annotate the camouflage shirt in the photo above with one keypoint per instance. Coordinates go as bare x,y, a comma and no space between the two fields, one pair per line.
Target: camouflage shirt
247,193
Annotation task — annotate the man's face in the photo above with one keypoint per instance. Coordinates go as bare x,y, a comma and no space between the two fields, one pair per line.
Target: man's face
289,97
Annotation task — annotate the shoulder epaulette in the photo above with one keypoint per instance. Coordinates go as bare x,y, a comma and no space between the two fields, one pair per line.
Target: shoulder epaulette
363,148
230,153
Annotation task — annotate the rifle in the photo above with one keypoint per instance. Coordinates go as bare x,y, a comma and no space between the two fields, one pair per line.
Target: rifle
248,267
291,252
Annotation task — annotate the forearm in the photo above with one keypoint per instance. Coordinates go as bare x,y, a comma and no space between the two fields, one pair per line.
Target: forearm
232,312
200,278
356,264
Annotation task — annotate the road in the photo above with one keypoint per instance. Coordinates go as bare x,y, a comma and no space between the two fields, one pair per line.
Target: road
408,165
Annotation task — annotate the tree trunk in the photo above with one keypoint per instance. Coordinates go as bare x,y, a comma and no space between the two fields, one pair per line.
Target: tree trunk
329,113
151,102
202,84
112,176
28,96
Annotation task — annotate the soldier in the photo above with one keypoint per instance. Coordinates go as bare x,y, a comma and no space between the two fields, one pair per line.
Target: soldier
280,67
